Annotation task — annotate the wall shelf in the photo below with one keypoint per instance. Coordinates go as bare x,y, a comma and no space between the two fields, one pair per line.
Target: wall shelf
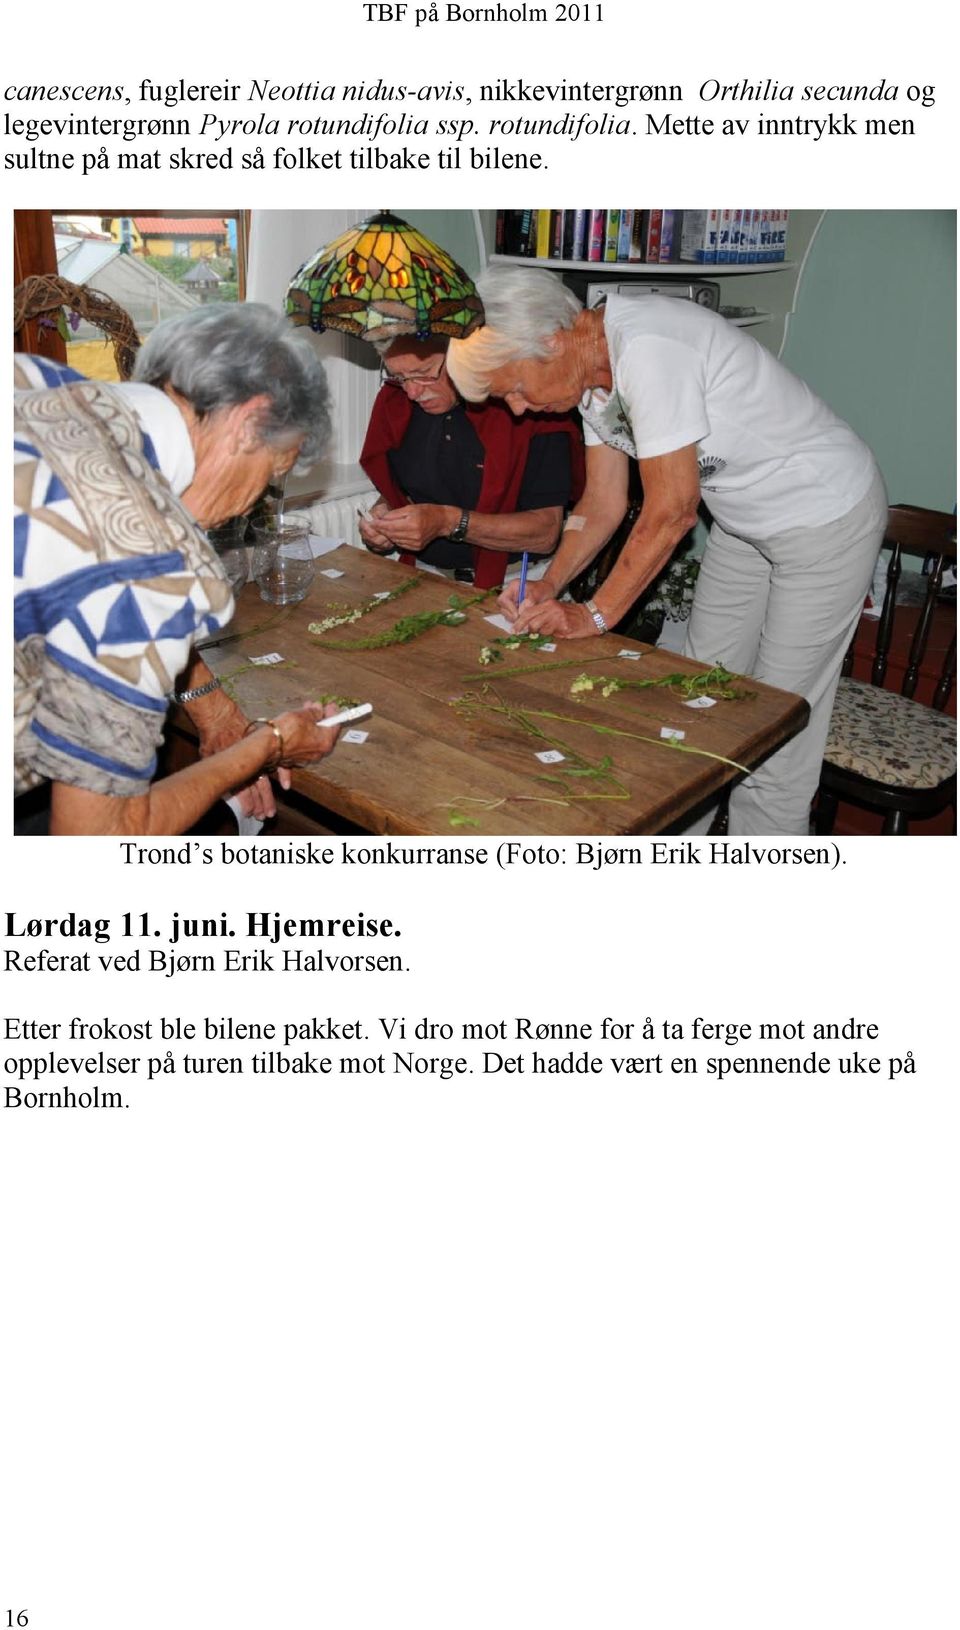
648,268
769,285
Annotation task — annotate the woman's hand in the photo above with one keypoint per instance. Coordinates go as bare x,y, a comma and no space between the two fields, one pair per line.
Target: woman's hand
416,525
534,594
562,619
219,723
304,738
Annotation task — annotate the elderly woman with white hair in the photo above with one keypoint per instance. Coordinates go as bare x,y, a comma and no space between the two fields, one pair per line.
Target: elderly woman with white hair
797,502
115,580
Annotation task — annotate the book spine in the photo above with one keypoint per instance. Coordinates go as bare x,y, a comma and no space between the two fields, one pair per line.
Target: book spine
723,240
764,252
669,237
692,226
611,234
578,236
652,222
597,235
626,233
556,234
711,237
542,239
636,236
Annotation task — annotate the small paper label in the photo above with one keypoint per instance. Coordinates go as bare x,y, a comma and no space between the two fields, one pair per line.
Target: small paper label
357,736
331,571
630,656
701,701
551,647
383,594
266,661
551,757
673,735
497,620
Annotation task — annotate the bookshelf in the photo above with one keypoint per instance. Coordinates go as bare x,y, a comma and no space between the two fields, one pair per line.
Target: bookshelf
770,286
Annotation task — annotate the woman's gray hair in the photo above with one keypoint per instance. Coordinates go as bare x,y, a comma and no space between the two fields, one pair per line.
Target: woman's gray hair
523,310
220,355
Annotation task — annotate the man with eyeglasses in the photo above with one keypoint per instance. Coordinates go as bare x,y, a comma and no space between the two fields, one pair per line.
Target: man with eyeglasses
462,487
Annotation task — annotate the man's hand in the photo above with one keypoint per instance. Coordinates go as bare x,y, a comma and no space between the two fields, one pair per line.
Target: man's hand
369,528
416,525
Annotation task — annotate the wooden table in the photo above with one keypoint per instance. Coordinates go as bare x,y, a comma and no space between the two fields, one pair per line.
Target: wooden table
425,768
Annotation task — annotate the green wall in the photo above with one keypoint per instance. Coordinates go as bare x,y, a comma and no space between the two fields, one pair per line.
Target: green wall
874,334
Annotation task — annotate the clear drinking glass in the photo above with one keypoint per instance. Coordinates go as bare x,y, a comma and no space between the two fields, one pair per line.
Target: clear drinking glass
283,565
229,542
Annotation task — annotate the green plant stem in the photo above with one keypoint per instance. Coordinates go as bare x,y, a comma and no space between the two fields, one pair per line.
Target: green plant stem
533,668
354,614
657,741
409,628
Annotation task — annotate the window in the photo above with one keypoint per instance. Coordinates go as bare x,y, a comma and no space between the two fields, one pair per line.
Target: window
153,264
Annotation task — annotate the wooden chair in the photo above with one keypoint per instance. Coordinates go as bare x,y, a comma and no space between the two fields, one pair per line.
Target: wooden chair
886,751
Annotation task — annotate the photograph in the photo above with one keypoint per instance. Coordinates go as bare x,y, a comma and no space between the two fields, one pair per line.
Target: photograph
568,523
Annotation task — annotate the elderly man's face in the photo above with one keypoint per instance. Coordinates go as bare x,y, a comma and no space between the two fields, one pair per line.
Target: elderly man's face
419,369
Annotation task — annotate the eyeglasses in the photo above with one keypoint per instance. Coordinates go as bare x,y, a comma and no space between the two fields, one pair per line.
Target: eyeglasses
404,380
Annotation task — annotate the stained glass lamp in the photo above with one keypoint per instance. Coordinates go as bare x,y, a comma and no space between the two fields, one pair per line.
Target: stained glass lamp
384,277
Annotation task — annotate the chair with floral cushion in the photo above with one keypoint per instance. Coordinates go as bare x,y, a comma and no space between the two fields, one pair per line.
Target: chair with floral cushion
886,751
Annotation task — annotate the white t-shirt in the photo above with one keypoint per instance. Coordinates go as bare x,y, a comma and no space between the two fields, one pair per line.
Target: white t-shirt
772,456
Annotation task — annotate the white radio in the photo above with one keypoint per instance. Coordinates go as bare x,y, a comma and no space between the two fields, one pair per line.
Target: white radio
701,293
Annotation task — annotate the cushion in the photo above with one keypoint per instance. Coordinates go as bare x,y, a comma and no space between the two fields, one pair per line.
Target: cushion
884,737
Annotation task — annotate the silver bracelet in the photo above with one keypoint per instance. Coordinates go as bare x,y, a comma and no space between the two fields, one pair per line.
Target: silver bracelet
597,617
200,690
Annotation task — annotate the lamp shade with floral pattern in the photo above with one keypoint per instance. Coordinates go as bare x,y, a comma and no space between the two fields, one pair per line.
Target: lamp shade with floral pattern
384,277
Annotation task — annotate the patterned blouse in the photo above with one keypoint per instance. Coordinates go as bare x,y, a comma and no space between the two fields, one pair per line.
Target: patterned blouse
113,579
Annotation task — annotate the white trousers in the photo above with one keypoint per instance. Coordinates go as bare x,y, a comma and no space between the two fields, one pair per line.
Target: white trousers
784,610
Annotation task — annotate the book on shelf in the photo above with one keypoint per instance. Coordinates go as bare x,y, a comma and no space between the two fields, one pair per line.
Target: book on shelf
669,236
611,237
596,234
651,222
626,232
703,237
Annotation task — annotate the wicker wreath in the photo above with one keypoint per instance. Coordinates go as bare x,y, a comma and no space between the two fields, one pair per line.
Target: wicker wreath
38,296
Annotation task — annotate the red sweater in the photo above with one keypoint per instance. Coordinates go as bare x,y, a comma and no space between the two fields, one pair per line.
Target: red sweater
505,442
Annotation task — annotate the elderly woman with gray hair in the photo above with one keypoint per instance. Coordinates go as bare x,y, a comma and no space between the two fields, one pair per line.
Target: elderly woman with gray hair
115,581
797,501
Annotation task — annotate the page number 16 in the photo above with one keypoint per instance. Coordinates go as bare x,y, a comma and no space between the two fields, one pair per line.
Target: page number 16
22,1618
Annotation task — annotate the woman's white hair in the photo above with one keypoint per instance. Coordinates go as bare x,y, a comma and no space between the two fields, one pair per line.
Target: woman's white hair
219,355
523,310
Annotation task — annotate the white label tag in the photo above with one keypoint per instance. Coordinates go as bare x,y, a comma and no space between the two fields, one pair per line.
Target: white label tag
673,735
356,736
499,621
383,594
701,701
266,661
331,571
551,647
552,757
630,656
